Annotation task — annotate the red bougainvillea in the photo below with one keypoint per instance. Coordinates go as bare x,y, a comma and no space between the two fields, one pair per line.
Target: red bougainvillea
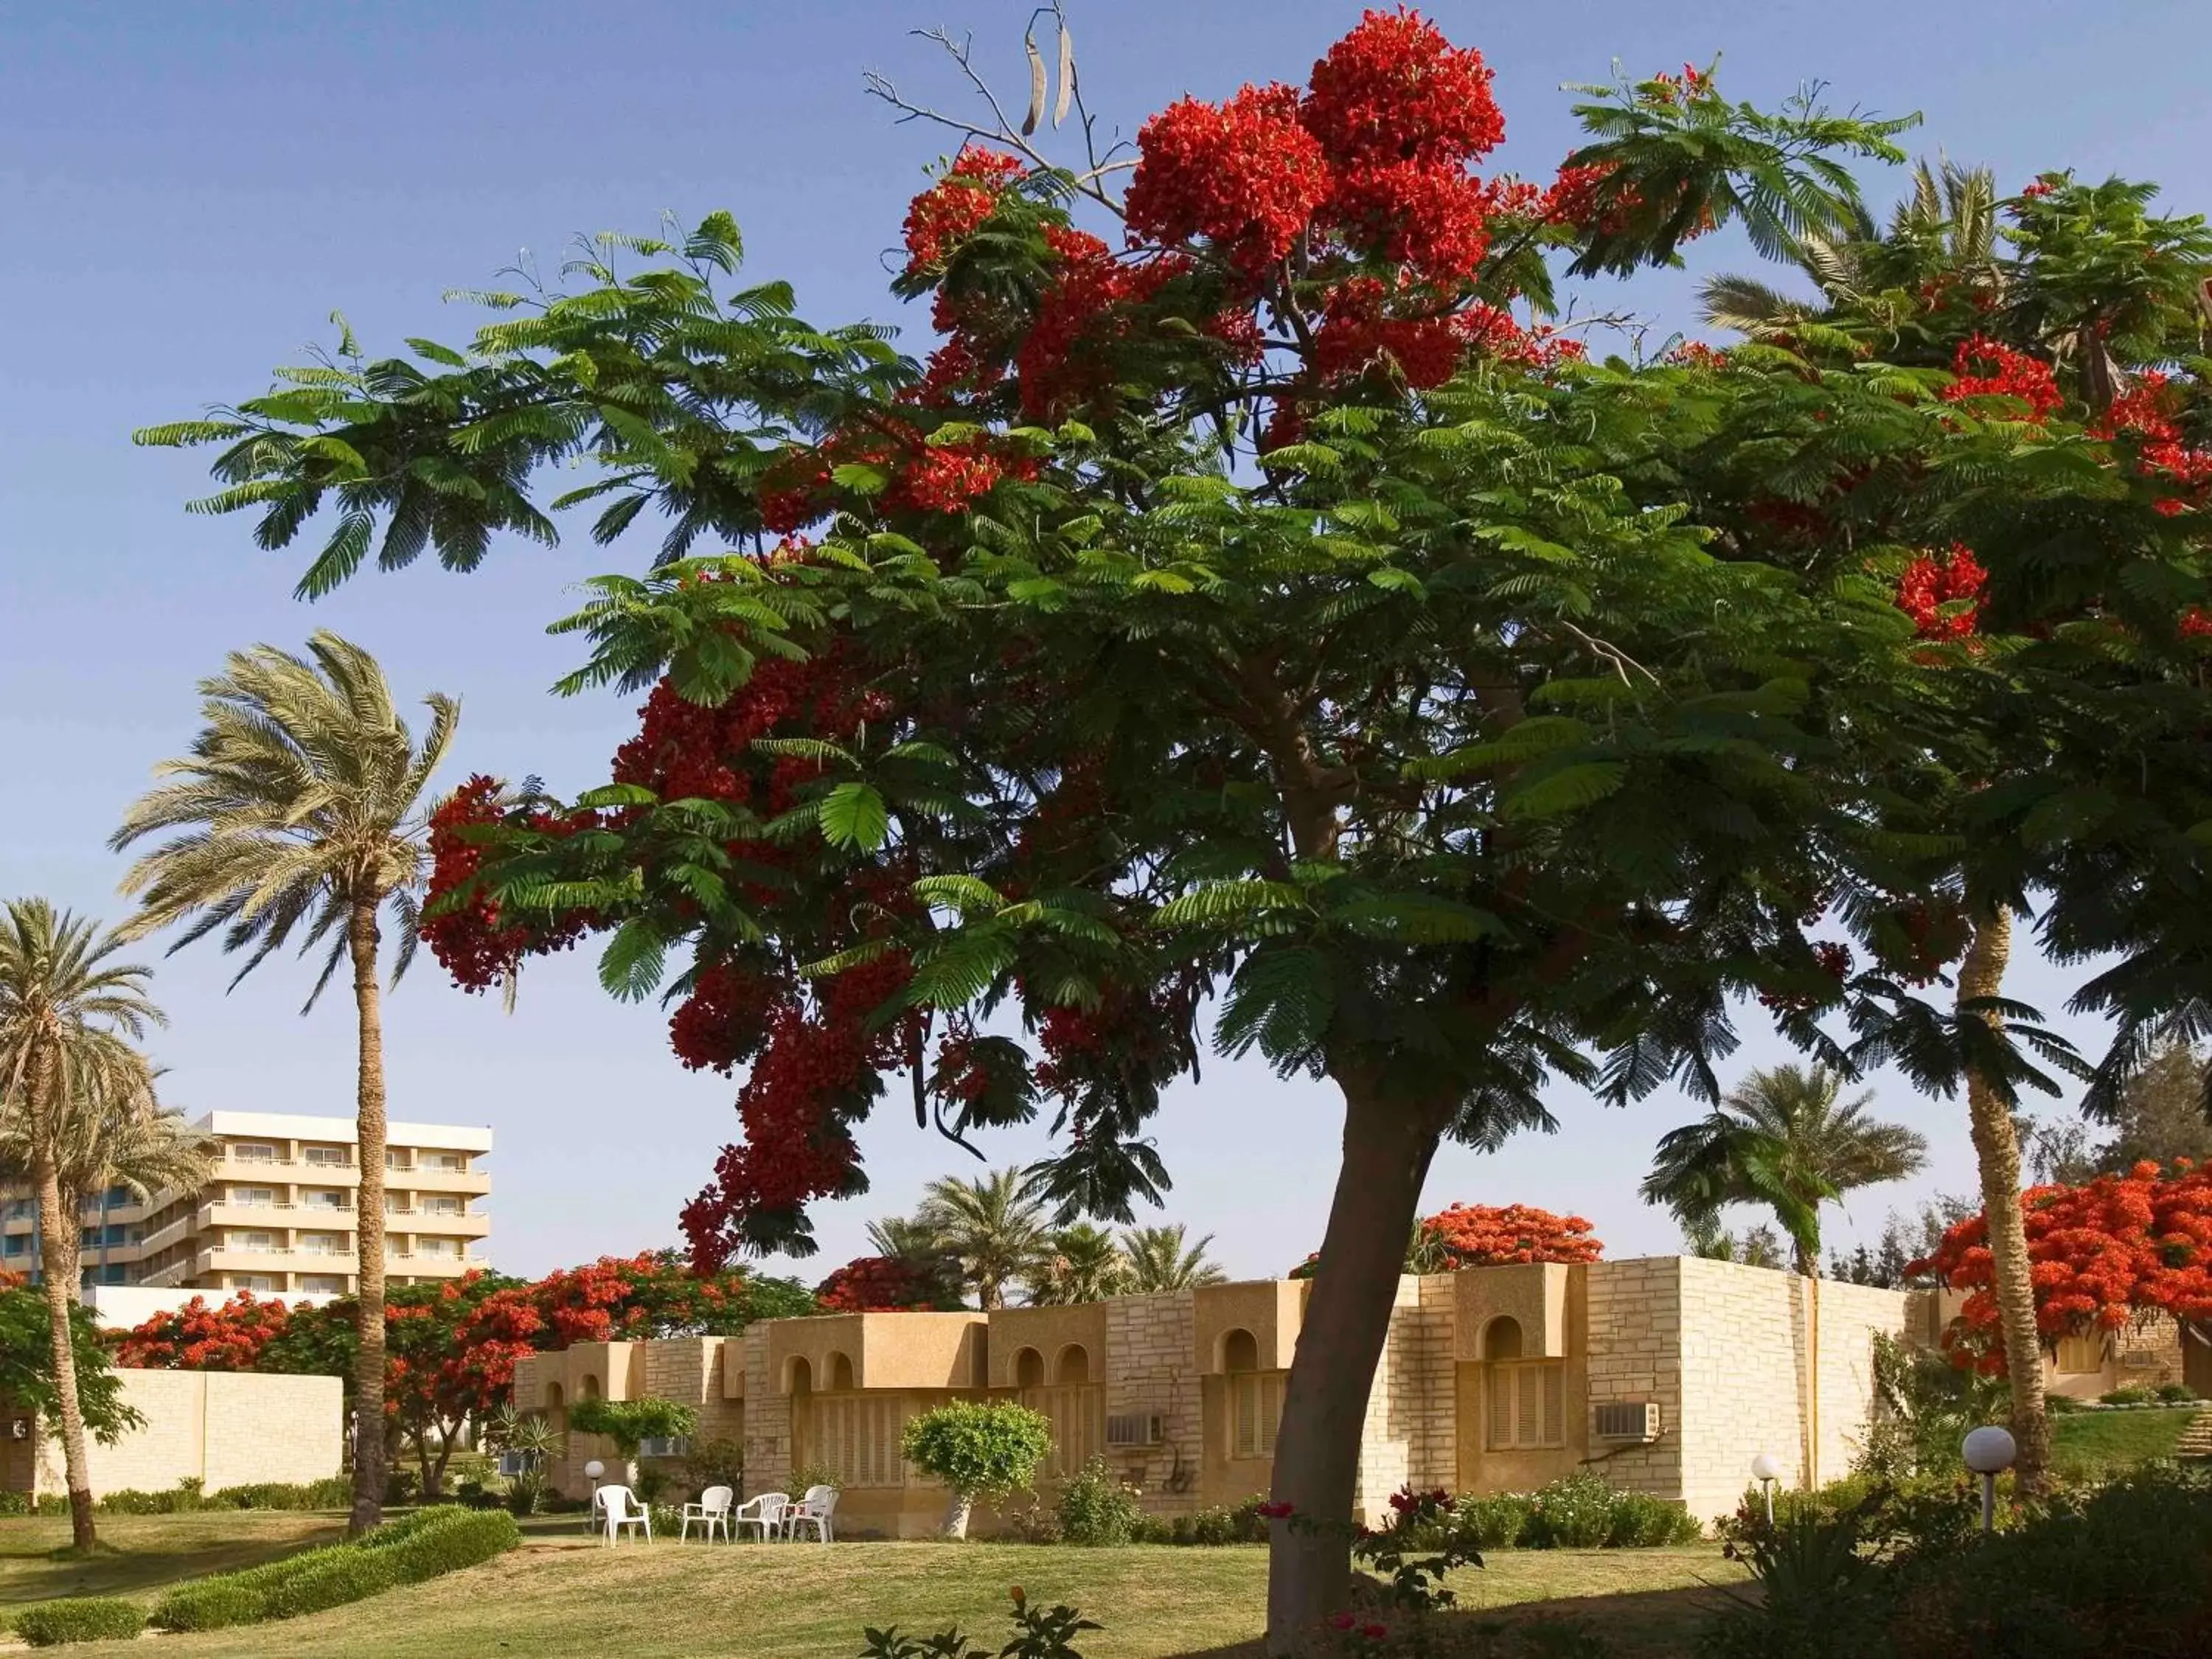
2100,1255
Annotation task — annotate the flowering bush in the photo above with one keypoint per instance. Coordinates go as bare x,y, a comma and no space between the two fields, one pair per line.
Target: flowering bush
1483,1235
2100,1254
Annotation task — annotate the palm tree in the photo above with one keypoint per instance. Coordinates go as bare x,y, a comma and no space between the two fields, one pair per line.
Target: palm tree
1946,230
69,1012
301,811
1083,1264
993,1227
1786,1140
1160,1260
911,1241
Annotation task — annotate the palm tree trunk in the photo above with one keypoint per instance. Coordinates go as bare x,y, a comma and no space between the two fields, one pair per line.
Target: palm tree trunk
1996,1150
1387,1146
368,1458
58,1257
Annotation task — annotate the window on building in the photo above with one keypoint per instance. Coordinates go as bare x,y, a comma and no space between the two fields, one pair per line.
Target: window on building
1255,1410
253,1151
399,1204
330,1157
446,1248
442,1204
263,1282
322,1244
115,1273
16,1244
394,1158
240,1240
254,1198
2079,1356
116,1233
89,1238
323,1198
120,1193
1528,1405
20,1210
322,1284
451,1163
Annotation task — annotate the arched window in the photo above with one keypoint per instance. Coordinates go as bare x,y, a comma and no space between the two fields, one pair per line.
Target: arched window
1255,1397
589,1387
841,1374
1240,1351
1029,1368
1075,1364
557,1407
1526,1400
799,1377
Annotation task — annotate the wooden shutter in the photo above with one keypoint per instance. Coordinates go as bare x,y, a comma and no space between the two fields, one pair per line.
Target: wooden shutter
1244,1414
1271,1412
1501,1408
1555,1405
1527,1420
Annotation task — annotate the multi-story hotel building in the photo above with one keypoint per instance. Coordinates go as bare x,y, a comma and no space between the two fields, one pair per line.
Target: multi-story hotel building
277,1216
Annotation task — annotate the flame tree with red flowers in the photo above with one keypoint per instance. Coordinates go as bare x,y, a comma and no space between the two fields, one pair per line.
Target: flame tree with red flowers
1262,611
1484,1235
2102,1255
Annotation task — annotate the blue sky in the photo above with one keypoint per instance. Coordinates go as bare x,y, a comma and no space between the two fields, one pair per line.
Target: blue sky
189,188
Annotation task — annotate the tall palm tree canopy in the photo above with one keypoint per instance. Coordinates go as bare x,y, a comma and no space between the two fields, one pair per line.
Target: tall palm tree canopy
67,1007
301,799
1785,1138
1083,1263
1159,1259
995,1227
109,1129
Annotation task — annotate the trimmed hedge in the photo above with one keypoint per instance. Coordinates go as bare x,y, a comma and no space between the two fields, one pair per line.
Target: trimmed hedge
423,1545
79,1619
185,1498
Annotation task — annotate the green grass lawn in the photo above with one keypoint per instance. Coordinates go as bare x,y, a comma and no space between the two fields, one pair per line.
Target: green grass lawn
2098,1445
560,1593
140,1554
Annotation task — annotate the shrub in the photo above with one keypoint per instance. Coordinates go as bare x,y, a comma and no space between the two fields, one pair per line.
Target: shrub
210,1604
2058,1405
79,1619
2132,1395
331,1492
2177,1394
1573,1513
1039,1633
463,1538
1641,1522
14,1504
1494,1523
340,1576
1099,1507
524,1493
979,1449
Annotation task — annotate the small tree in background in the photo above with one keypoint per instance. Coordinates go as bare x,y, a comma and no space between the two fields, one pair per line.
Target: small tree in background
630,1422
979,1449
27,1365
1162,1259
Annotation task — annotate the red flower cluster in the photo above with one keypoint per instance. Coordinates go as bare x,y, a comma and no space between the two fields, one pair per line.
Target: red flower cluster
1942,596
957,204
2099,1256
1478,1235
2140,416
1244,174
227,1336
1985,368
873,1284
473,942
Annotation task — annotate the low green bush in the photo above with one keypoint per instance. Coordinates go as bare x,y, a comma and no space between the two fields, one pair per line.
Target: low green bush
1098,1507
423,1545
332,1492
341,1576
209,1604
1641,1522
2177,1394
2132,1395
79,1619
1492,1522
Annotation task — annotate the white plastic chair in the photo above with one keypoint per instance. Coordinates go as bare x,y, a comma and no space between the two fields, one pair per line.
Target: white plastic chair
620,1508
765,1512
815,1510
710,1510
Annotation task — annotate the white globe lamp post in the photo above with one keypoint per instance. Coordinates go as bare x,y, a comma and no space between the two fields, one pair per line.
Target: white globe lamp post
1989,1452
1766,1469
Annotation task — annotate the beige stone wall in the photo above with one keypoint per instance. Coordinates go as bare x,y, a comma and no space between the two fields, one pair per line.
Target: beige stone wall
1748,1376
1412,1431
1153,1366
1633,1349
221,1428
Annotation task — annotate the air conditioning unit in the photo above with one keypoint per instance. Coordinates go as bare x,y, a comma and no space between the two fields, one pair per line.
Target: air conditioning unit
1629,1421
1136,1429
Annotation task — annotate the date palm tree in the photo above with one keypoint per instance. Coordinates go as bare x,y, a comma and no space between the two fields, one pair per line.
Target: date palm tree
1159,1260
301,813
1083,1263
993,1227
69,1012
1786,1140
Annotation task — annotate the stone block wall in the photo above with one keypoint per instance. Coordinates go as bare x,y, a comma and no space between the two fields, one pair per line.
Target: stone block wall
1634,1351
766,1422
219,1428
1412,1431
1152,1366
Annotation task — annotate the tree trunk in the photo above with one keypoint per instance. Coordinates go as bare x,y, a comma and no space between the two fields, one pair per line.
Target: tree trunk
1386,1149
368,1466
1996,1150
57,1262
956,1515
